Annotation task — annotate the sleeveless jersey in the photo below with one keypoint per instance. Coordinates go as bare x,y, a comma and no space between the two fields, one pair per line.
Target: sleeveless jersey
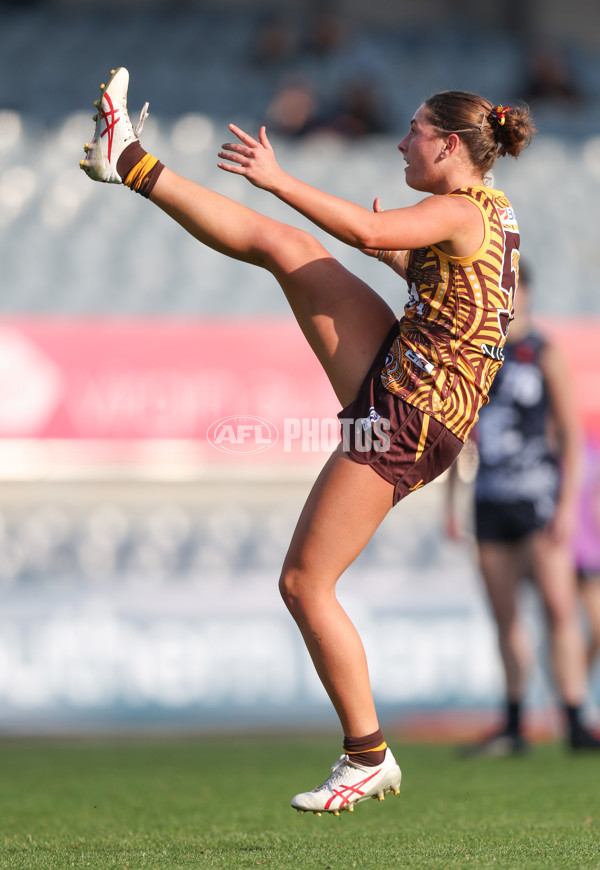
455,322
516,458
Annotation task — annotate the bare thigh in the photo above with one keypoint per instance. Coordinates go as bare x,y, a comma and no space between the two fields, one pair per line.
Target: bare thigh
343,319
346,505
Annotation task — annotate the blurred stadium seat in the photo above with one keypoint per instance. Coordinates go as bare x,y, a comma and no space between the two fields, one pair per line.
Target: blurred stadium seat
52,216
83,535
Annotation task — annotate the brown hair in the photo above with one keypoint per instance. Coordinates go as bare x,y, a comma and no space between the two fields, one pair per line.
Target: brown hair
478,124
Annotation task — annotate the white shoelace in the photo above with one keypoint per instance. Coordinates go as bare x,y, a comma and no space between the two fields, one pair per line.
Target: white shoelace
336,773
140,124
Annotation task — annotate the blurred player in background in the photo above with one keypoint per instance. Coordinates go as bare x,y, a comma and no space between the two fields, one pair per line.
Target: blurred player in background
526,499
410,390
587,545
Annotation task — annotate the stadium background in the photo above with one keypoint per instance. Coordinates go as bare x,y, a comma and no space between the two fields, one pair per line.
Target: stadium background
140,535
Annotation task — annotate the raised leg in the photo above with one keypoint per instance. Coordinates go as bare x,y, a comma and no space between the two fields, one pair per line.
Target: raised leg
343,319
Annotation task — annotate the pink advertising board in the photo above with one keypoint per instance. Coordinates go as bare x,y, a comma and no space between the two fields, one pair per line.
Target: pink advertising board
235,386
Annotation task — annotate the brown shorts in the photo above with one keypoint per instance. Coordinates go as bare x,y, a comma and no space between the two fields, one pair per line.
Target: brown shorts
405,446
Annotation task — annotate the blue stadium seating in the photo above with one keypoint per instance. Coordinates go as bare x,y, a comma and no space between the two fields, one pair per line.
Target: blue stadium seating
194,65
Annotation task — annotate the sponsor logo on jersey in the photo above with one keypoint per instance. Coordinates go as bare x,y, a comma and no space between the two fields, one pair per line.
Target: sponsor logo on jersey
493,352
419,361
507,217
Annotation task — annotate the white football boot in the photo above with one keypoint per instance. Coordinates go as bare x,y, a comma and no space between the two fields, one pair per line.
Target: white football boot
349,784
114,131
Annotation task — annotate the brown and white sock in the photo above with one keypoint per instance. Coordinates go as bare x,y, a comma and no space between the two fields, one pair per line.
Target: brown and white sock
368,750
138,169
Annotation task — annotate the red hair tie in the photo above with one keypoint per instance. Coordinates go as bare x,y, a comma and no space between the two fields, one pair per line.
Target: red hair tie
499,114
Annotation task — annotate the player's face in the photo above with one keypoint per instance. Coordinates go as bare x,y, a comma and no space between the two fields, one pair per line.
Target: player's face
421,148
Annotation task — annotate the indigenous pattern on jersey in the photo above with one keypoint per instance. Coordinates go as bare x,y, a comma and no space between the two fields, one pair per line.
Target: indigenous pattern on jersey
456,320
517,461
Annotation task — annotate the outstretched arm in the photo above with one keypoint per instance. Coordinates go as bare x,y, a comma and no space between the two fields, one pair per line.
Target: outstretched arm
255,160
436,219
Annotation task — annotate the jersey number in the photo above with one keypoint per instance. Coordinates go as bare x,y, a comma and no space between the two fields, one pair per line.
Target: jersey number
508,279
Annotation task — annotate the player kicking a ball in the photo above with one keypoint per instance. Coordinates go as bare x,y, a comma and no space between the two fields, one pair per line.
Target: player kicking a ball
422,378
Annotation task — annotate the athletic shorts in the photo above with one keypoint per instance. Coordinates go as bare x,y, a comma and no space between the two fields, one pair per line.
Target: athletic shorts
507,522
405,446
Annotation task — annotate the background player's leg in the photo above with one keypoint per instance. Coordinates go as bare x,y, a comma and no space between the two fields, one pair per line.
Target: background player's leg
500,565
556,580
589,591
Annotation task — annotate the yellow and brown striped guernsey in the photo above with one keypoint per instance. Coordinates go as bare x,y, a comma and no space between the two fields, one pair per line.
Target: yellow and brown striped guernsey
456,320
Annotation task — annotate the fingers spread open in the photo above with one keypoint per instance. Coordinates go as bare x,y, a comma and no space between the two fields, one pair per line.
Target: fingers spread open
237,167
245,138
236,152
262,135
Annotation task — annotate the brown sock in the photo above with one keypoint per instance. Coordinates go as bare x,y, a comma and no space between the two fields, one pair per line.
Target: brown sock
369,750
138,169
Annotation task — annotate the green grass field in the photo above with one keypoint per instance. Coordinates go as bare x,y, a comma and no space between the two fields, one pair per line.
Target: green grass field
207,802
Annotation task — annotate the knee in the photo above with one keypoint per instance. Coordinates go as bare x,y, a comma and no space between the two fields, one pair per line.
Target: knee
290,249
561,614
303,593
